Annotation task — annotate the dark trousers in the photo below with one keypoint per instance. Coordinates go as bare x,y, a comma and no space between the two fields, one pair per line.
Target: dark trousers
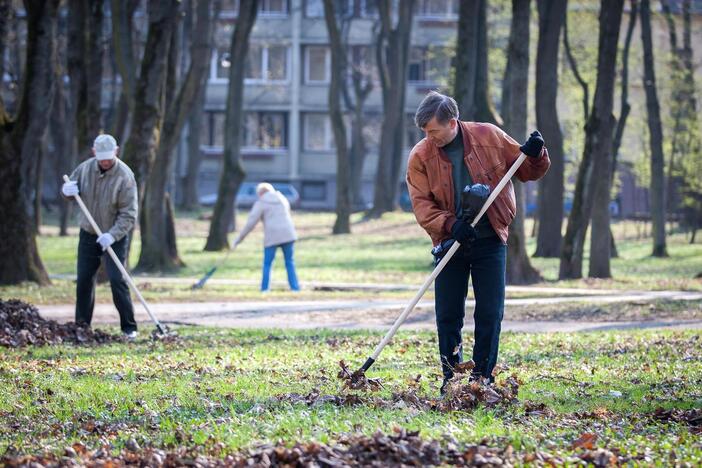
89,255
485,262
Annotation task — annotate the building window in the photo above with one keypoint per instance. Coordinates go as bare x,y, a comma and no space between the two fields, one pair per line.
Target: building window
314,191
264,130
315,8
318,133
438,9
266,63
273,8
317,64
429,66
212,129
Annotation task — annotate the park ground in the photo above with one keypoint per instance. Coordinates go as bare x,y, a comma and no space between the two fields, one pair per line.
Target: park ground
627,395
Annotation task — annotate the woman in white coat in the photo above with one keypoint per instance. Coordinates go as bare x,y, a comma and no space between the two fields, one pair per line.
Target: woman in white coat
278,231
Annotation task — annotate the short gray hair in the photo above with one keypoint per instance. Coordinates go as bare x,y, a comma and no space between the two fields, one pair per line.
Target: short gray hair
444,108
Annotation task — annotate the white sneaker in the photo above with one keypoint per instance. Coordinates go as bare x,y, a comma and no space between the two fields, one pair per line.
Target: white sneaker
132,335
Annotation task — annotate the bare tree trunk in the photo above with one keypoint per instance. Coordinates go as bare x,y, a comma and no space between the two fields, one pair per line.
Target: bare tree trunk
601,234
514,109
18,147
190,200
551,187
472,90
343,166
624,105
392,58
232,172
122,44
140,148
159,251
657,188
598,147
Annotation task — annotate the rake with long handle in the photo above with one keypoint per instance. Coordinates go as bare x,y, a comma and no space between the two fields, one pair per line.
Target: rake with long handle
403,316
211,271
112,254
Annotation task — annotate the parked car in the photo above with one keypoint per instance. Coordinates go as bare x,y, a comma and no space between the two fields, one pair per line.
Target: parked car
246,196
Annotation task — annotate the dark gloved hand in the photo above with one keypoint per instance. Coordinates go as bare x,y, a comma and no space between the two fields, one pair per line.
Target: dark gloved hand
463,232
472,200
533,145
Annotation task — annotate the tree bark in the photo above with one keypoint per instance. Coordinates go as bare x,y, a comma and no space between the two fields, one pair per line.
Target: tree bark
514,110
601,237
5,19
392,54
472,90
140,148
18,151
657,187
551,187
159,251
232,171
123,46
190,199
342,224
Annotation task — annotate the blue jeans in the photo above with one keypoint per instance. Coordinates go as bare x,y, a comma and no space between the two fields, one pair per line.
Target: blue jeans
485,262
269,256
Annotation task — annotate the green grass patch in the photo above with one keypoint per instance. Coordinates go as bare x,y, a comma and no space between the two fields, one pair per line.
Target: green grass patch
224,387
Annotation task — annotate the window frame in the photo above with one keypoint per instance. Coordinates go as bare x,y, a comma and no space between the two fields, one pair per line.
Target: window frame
327,65
330,145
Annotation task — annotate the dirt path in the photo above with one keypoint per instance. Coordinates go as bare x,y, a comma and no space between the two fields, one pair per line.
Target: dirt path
377,314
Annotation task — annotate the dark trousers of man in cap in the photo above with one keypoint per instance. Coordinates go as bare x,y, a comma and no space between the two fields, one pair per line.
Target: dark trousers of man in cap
454,155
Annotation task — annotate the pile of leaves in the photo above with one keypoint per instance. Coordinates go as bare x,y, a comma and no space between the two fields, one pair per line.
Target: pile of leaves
21,325
357,380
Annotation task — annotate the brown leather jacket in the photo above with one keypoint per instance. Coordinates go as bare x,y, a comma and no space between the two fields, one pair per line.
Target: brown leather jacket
488,154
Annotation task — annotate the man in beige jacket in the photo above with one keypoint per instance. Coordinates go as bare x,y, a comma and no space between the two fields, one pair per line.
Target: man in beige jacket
108,188
278,231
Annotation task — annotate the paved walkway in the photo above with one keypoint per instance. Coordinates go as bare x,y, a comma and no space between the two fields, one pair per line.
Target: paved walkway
373,314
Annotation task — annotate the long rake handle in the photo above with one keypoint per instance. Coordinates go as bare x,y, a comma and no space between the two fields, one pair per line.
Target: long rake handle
403,316
116,260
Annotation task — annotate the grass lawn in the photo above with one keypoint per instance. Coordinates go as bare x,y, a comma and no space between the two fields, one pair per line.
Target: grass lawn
218,391
391,250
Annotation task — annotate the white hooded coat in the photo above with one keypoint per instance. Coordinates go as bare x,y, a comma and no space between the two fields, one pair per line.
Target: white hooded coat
278,227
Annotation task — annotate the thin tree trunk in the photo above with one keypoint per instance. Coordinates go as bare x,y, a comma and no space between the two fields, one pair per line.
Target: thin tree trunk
392,54
657,187
123,46
232,174
551,187
625,107
18,147
514,109
190,199
342,224
472,91
159,251
601,237
140,148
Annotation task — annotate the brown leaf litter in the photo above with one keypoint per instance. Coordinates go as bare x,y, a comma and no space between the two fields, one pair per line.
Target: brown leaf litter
21,325
401,448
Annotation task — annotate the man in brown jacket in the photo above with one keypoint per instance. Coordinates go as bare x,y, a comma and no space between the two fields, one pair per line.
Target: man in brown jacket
455,155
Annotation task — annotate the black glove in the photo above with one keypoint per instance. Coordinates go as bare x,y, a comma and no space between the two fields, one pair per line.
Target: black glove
473,198
533,145
463,232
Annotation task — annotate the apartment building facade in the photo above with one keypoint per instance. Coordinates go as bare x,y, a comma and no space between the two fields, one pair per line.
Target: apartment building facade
286,130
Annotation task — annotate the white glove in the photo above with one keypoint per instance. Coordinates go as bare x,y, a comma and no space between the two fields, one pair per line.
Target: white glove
70,188
105,240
